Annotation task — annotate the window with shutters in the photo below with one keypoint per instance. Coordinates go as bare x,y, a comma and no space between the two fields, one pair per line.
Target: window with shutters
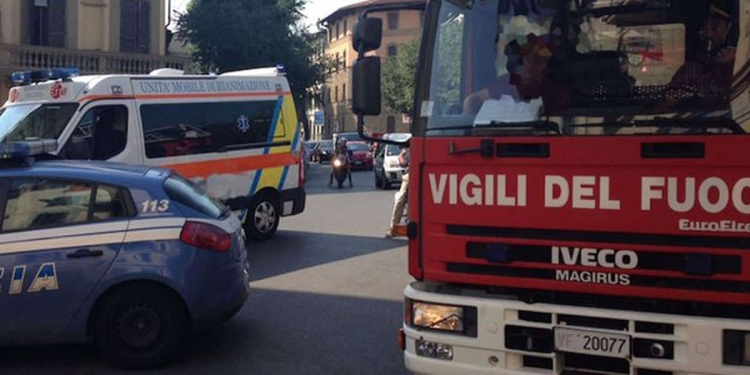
392,20
47,23
135,26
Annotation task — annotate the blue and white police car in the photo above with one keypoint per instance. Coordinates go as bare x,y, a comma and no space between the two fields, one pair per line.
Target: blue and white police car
132,258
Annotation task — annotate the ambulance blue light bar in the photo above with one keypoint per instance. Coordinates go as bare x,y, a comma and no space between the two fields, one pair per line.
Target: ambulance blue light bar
25,149
35,76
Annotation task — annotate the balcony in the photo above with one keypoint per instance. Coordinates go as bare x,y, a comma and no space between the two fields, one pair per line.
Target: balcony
25,57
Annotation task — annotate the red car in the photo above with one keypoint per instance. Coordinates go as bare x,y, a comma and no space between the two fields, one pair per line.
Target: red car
361,157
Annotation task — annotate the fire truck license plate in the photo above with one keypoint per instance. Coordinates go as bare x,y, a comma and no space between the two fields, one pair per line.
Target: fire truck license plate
592,343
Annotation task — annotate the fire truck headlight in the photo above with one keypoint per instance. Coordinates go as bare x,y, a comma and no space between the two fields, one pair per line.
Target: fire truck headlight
736,348
458,319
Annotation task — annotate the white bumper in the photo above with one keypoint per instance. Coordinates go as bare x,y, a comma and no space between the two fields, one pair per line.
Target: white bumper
393,174
697,341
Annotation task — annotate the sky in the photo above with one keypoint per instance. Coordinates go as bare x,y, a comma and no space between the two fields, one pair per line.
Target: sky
314,10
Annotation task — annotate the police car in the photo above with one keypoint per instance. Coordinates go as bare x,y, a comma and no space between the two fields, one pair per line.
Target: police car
130,257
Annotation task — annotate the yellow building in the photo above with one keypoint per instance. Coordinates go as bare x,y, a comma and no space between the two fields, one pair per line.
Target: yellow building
96,36
399,27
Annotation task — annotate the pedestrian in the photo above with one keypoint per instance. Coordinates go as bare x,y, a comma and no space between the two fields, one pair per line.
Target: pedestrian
402,194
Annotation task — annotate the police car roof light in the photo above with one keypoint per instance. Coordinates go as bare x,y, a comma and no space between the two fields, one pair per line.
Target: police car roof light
25,149
21,78
36,76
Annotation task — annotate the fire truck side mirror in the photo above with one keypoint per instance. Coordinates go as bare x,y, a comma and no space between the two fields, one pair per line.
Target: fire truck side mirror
366,95
368,35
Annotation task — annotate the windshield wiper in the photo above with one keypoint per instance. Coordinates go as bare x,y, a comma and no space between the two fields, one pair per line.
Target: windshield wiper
544,125
667,123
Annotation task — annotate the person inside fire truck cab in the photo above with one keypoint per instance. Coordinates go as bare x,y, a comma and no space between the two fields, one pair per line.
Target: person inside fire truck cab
705,81
530,75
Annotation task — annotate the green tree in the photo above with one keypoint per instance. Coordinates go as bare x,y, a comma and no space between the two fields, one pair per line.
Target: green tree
398,78
232,35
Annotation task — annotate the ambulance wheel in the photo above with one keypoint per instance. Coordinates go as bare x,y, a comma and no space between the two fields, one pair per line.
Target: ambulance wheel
141,327
262,219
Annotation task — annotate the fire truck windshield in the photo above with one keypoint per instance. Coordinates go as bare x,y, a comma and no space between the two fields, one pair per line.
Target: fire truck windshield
586,66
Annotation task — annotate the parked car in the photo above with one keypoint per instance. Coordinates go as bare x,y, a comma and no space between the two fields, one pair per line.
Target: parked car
361,157
350,137
311,150
325,150
131,258
386,166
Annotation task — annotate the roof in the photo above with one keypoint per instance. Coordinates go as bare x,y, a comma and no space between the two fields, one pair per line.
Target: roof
371,3
114,173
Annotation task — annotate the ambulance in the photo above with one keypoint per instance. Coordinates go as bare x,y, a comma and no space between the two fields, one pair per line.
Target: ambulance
236,134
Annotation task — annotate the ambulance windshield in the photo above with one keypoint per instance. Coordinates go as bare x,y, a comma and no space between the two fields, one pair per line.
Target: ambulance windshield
34,121
586,66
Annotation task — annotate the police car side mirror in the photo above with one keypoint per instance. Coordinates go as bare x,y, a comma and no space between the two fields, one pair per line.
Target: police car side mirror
366,94
368,35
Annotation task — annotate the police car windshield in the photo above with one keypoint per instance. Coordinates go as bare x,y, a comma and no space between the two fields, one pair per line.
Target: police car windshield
33,121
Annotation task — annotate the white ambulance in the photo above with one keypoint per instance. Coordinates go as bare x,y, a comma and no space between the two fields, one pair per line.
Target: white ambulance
236,134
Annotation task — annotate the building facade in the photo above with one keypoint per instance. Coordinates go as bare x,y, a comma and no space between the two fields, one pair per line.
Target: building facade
315,95
96,36
399,27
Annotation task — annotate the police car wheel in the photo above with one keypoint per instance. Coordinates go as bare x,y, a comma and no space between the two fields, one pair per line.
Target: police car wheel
141,327
262,219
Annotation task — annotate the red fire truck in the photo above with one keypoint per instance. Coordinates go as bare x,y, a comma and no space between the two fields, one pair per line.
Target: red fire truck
580,186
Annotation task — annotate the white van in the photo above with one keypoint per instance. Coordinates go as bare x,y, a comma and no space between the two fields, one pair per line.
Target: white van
387,168
236,134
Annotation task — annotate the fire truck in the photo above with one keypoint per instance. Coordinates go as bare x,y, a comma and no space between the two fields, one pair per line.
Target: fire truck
580,186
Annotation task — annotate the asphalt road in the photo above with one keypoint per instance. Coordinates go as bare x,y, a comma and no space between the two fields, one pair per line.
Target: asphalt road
327,299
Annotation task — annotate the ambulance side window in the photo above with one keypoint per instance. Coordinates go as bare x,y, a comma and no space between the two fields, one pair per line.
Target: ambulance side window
100,135
200,128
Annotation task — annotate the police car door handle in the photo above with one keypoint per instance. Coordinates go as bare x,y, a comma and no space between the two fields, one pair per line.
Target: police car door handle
85,253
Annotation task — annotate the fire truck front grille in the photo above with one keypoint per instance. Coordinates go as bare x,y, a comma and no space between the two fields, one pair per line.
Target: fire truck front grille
596,364
529,336
590,322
